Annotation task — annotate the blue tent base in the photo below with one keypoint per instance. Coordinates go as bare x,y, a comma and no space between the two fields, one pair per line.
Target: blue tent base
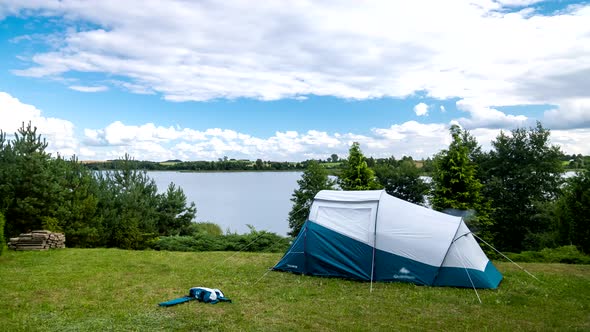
320,251
436,284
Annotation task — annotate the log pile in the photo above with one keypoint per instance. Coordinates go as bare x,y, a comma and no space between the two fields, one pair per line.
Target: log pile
37,240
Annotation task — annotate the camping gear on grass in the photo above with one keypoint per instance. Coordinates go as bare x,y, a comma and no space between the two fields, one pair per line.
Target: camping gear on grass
201,294
372,236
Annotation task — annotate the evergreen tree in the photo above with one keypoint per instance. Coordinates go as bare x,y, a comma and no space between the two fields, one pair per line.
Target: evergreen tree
128,206
119,208
77,213
30,191
356,174
455,186
175,216
314,179
6,165
39,191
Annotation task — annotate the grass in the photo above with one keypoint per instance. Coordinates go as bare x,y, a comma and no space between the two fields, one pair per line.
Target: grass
118,290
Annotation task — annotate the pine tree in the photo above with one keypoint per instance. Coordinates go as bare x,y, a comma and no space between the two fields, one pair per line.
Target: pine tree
455,186
77,213
30,191
356,174
174,215
128,206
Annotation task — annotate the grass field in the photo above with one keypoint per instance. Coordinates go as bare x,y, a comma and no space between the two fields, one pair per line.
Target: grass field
117,290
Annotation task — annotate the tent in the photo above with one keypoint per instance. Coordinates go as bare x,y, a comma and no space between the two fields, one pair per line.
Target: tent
372,236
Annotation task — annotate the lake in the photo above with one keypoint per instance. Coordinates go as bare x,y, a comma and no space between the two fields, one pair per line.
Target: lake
235,199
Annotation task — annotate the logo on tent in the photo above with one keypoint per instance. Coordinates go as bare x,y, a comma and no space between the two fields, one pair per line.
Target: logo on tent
403,274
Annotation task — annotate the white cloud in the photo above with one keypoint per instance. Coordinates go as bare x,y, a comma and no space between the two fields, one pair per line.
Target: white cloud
518,3
421,109
58,132
80,88
140,89
410,138
151,142
118,133
478,52
571,114
573,141
473,50
482,116
442,109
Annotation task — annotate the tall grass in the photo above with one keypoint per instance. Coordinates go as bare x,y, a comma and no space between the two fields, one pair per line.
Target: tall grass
118,290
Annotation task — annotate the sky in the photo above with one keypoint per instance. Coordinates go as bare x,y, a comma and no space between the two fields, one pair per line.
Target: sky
291,80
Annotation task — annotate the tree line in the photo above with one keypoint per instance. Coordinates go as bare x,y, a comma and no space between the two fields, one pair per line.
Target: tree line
513,196
116,208
222,164
225,164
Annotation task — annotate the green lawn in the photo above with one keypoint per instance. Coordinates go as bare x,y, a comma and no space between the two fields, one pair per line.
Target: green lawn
117,290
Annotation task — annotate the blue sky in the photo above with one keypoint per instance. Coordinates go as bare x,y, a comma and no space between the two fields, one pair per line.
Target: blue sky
291,80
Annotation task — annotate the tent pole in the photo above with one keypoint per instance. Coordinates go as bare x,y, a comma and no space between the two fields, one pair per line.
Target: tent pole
491,246
446,253
372,269
373,259
375,242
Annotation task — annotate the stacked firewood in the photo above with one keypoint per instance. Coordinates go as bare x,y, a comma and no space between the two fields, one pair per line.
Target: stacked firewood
37,240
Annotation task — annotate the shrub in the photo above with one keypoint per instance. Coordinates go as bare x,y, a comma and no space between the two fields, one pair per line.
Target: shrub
175,243
256,241
204,228
566,254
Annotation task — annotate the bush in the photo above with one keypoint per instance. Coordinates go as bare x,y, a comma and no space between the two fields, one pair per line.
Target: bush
202,228
566,254
174,243
2,239
255,241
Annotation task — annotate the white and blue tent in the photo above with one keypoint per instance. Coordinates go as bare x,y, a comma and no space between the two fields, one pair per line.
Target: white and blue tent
372,236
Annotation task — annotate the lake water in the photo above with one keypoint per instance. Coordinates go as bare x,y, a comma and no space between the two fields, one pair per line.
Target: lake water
233,200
